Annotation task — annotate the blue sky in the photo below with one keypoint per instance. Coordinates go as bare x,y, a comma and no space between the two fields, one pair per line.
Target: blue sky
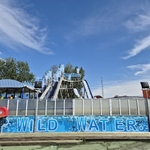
110,39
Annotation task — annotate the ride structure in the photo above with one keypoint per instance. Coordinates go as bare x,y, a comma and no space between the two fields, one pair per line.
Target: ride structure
62,85
64,103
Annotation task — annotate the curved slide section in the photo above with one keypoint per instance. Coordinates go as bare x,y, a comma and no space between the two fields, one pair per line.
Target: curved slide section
46,91
76,92
55,95
87,89
53,90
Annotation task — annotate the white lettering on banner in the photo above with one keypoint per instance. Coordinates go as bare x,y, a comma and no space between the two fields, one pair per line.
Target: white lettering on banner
104,121
128,125
75,124
49,125
90,125
24,124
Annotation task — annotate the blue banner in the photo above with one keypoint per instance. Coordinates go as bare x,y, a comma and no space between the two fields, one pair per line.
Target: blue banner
20,124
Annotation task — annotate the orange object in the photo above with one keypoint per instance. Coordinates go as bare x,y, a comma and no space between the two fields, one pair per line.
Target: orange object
3,112
146,93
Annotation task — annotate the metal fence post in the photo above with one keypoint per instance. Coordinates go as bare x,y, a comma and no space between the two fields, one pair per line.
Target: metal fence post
55,106
138,108
92,106
101,109
110,107
8,104
83,106
64,107
17,107
26,112
36,111
129,108
119,101
46,107
73,106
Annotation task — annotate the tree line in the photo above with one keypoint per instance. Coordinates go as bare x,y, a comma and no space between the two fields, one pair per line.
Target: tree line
10,68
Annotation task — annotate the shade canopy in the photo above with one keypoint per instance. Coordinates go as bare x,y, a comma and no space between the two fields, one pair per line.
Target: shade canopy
13,85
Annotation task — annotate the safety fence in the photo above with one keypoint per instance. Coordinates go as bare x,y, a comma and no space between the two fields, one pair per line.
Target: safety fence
110,107
115,106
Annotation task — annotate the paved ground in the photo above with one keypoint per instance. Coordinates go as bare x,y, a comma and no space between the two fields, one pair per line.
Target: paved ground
75,141
98,145
76,136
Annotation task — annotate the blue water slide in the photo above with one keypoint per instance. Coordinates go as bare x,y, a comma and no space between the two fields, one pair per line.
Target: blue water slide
87,89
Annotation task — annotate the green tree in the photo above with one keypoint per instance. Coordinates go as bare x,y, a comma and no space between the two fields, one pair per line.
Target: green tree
75,69
69,68
16,70
82,72
8,69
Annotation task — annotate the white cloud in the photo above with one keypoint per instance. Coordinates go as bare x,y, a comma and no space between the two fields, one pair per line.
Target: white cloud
129,88
140,23
19,28
140,46
144,68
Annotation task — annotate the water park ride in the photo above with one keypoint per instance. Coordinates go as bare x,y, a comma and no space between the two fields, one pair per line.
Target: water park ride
63,86
67,98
